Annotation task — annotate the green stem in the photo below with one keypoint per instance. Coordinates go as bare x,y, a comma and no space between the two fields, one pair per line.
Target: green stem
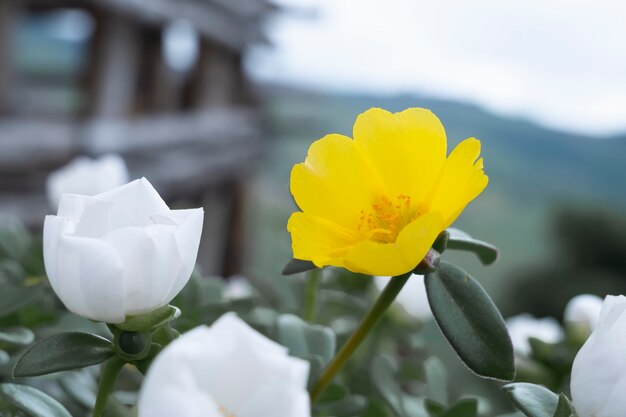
108,377
310,295
380,306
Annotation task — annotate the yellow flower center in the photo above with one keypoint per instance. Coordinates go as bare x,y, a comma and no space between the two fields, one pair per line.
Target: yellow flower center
386,218
225,412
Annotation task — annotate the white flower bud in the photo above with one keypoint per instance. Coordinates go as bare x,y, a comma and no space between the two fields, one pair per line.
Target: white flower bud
227,369
524,326
86,176
119,253
583,311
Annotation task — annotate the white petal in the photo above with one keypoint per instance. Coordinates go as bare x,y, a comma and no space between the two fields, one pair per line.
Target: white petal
72,206
238,287
598,377
524,326
89,278
133,203
583,309
86,176
231,329
252,362
230,365
612,310
53,228
150,264
187,234
171,388
276,399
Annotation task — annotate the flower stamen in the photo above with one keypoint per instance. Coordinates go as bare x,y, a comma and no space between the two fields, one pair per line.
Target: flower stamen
386,219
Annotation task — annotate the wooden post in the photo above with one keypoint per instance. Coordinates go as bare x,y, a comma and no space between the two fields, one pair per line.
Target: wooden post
116,63
216,77
160,86
8,17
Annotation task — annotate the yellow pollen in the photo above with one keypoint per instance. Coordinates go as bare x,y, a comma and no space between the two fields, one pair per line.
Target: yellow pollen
387,218
225,412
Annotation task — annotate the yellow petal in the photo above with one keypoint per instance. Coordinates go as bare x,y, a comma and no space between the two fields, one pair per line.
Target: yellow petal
462,180
400,257
405,150
318,240
418,236
330,184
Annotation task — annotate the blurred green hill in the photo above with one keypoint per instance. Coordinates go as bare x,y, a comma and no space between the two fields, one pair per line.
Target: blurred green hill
533,171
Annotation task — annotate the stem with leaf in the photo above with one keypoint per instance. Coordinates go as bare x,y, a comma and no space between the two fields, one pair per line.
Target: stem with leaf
381,305
110,371
310,295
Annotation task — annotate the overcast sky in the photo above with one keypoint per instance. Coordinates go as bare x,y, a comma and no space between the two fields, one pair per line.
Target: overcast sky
561,63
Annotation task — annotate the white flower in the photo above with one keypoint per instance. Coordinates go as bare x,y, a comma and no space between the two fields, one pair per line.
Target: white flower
598,379
238,287
226,370
86,176
412,297
524,326
583,311
119,253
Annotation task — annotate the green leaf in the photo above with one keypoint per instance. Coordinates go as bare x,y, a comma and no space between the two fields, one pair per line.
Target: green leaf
352,405
437,388
13,299
532,400
295,266
470,322
4,358
463,408
563,407
433,407
316,366
303,339
334,393
149,321
11,272
15,242
17,336
81,386
62,352
383,370
32,401
459,240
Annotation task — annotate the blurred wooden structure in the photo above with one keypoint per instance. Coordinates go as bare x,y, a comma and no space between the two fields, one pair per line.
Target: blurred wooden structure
194,135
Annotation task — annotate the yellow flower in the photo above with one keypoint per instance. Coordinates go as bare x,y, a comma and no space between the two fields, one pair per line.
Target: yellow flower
376,204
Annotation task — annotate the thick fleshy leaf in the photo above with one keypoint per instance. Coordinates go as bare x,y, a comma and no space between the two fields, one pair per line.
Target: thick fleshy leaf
16,336
436,379
459,240
467,407
62,352
11,272
563,407
13,299
15,241
151,320
295,266
532,400
304,339
4,358
383,375
470,322
352,405
32,401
